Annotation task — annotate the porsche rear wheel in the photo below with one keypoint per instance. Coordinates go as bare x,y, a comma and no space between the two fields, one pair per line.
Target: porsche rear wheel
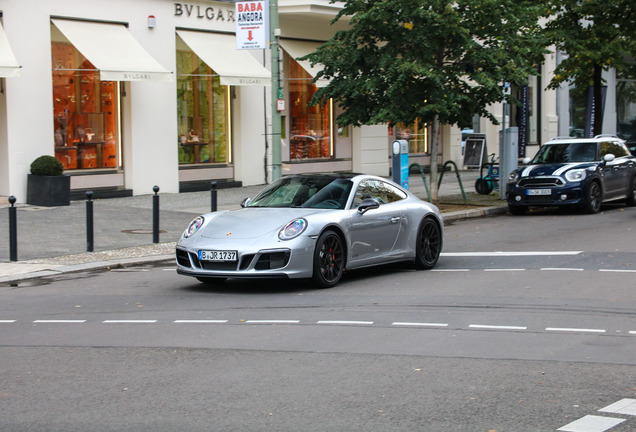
329,260
429,244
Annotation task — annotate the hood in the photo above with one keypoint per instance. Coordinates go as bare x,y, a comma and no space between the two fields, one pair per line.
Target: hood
552,169
251,222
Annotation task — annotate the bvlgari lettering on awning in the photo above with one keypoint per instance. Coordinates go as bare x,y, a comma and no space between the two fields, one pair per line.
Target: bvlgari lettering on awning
136,76
201,12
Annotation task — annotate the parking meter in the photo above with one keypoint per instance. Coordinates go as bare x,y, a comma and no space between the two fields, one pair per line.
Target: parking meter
400,167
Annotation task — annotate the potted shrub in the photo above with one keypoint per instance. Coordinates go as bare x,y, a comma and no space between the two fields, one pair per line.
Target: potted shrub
47,185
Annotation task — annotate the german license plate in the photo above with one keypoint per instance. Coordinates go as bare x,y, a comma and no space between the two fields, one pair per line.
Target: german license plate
535,192
217,255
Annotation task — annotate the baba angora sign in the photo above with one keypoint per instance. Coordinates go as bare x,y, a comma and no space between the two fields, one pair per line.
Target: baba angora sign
252,19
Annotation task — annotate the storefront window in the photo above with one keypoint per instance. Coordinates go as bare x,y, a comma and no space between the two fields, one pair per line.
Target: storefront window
626,111
204,112
416,134
86,112
310,126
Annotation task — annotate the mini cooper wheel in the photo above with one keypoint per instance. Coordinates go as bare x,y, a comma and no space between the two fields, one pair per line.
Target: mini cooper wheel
329,260
429,244
593,198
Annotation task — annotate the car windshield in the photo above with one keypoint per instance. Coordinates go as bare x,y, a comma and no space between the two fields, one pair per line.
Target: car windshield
307,192
563,153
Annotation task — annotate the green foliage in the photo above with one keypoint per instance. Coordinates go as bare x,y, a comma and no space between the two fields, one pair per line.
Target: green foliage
429,59
595,33
47,166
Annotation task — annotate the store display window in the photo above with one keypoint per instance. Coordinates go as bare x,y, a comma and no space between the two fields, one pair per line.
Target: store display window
310,127
416,133
203,112
85,111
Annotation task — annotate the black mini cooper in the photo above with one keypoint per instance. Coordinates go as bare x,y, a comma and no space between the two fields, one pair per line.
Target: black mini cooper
574,172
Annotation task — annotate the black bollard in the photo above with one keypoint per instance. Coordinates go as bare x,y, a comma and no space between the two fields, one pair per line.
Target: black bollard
90,246
155,215
13,230
213,196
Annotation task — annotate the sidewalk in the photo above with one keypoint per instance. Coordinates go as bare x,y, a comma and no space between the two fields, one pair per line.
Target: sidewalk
52,240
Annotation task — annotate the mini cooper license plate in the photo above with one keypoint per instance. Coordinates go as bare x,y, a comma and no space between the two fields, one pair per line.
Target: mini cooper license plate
217,255
535,192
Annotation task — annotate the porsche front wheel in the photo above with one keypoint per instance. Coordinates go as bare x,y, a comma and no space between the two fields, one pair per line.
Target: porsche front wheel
429,244
329,260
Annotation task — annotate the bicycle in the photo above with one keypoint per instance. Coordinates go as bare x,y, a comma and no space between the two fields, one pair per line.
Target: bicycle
486,184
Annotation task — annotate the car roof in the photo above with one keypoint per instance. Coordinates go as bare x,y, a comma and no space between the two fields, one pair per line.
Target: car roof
334,175
570,140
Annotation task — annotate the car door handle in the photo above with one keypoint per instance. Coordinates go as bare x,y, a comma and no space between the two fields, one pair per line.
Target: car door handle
395,219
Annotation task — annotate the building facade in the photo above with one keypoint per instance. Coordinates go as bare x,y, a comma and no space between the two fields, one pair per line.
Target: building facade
128,95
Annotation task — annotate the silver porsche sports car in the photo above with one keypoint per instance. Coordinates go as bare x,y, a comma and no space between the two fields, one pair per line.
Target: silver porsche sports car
313,226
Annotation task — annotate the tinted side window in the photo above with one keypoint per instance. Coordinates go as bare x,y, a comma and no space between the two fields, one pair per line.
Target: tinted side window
378,190
613,147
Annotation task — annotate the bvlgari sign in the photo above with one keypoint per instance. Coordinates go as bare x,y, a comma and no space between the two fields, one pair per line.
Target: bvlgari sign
252,19
203,12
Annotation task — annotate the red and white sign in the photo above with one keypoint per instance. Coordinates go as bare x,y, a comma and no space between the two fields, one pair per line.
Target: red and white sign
252,24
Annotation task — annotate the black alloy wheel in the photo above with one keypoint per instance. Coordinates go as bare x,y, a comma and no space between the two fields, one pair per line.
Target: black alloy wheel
429,244
593,198
329,260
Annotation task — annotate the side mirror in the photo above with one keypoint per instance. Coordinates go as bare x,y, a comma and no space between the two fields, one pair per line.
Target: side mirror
367,204
609,157
526,160
246,202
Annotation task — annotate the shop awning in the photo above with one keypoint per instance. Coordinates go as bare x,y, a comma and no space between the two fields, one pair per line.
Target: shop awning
9,66
113,50
234,67
298,49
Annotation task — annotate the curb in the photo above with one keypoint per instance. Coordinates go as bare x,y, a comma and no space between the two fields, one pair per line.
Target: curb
51,269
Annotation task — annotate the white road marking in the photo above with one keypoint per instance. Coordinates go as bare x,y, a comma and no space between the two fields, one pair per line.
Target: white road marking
560,269
129,321
272,321
617,270
623,406
59,321
200,321
7,321
496,327
450,270
504,270
591,423
346,322
419,324
632,332
578,330
510,254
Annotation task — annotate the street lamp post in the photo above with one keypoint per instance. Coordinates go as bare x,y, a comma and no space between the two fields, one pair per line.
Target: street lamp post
276,118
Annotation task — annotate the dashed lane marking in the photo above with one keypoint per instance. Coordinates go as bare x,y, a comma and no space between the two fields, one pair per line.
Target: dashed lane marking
496,327
510,254
591,423
346,322
419,324
575,330
129,321
59,321
623,406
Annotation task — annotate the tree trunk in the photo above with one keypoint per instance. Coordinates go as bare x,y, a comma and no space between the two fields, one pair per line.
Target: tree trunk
434,146
598,101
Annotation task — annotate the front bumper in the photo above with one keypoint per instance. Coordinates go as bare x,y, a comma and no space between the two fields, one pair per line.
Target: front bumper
295,261
568,194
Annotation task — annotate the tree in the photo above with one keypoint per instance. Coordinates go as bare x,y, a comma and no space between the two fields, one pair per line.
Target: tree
436,60
597,35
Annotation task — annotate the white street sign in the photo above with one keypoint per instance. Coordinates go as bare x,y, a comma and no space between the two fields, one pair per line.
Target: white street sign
252,19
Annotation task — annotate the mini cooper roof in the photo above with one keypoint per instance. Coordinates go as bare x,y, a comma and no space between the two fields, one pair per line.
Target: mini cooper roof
597,138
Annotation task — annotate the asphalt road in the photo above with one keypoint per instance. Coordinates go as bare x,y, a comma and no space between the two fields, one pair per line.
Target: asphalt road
527,324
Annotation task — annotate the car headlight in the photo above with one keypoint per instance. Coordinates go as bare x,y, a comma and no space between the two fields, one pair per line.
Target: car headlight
513,177
194,226
575,175
293,229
